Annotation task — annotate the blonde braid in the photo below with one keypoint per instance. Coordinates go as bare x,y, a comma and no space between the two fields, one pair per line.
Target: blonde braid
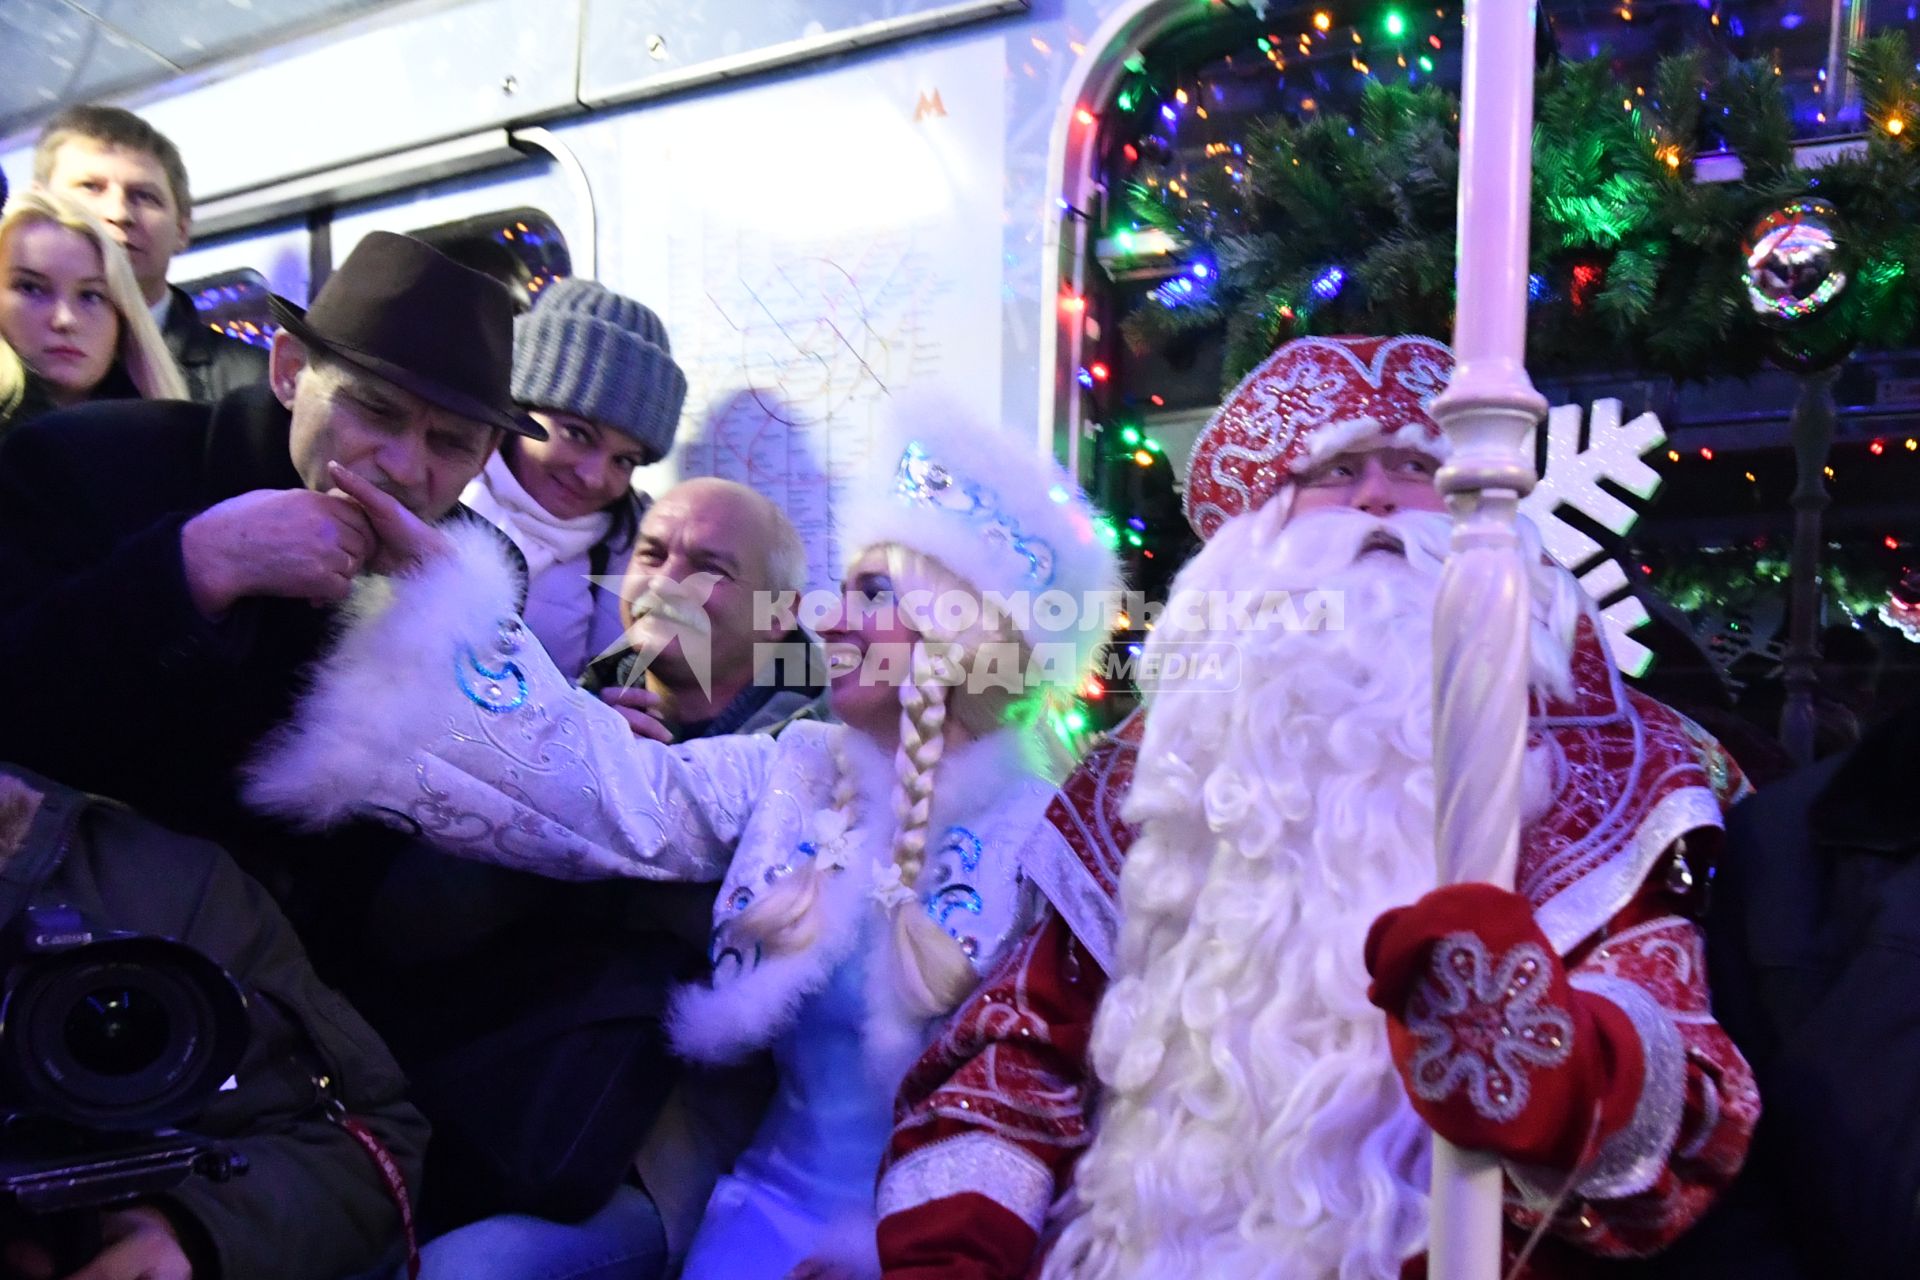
783,919
934,972
923,740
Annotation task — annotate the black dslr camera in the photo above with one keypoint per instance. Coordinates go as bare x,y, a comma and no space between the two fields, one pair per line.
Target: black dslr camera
107,1043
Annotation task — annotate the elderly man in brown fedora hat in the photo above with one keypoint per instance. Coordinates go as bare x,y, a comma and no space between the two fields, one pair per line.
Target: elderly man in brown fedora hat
166,570
165,567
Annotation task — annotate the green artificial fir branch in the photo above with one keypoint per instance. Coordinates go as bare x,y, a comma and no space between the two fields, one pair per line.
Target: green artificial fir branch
1753,118
1637,265
1882,67
1675,107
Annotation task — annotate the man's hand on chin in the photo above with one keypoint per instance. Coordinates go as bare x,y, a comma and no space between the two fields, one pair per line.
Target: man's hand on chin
404,540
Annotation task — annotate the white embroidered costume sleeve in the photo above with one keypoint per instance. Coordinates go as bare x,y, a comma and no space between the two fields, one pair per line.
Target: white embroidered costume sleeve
438,711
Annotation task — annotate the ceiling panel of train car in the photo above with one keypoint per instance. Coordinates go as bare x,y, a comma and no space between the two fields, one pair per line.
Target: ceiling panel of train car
66,51
635,48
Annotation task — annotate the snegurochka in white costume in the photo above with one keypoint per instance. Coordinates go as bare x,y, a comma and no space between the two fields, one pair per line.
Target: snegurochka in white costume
872,870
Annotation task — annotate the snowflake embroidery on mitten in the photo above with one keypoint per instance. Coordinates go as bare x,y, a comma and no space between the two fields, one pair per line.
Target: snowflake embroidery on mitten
1481,1025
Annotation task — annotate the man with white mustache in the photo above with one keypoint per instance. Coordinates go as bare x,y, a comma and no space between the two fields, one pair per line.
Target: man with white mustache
704,652
1249,858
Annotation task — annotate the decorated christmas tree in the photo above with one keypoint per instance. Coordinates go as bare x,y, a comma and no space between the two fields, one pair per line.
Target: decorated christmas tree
1344,223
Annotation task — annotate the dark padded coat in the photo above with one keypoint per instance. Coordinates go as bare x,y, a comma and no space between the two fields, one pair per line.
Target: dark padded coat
311,1205
1814,949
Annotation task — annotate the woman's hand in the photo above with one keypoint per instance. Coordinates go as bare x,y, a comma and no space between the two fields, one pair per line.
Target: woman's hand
405,540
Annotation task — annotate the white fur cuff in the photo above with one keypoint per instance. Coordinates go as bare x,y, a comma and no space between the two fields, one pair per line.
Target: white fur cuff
380,694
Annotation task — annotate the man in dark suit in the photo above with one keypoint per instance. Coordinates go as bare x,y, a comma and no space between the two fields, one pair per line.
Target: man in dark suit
166,569
132,178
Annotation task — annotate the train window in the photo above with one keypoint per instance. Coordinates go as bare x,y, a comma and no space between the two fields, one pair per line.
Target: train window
234,303
521,248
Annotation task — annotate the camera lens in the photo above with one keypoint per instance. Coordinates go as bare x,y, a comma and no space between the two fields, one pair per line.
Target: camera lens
121,1034
117,1031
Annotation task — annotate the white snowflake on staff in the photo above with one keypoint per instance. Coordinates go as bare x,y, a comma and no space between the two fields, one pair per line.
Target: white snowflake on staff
1574,468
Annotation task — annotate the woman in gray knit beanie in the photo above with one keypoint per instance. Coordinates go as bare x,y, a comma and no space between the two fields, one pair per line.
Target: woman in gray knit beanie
596,370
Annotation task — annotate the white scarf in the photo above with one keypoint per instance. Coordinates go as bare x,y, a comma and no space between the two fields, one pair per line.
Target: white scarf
543,538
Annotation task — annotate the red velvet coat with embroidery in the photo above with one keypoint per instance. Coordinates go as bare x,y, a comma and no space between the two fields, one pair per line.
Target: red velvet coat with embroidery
990,1121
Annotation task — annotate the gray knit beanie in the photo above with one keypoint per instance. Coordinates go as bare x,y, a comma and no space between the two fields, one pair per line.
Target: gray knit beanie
588,351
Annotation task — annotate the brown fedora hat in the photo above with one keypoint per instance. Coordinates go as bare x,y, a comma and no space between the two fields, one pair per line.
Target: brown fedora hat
401,309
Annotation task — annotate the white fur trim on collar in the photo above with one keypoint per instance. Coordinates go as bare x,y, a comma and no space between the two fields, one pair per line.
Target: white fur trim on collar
988,786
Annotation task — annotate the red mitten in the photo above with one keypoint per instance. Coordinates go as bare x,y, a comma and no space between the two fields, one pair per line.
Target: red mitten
1498,1053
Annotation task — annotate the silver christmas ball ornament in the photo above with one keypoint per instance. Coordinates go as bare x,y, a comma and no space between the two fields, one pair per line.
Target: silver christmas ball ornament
1796,262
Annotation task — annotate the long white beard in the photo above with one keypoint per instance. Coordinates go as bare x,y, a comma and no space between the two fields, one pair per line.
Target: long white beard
1253,1125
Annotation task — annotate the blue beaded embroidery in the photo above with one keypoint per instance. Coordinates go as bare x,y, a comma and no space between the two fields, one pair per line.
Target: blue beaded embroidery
955,897
924,482
962,844
493,698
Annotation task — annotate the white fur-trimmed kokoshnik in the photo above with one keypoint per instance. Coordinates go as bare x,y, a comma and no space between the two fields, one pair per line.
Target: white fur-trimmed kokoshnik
961,492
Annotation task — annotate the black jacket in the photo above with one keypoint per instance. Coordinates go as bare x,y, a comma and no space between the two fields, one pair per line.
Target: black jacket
35,400
212,363
311,1206
1814,954
121,686
32,403
795,690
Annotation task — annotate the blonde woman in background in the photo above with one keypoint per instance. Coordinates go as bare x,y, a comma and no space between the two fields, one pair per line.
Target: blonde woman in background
73,325
872,869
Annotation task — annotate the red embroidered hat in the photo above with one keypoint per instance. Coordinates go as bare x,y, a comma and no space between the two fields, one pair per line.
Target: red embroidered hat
1305,403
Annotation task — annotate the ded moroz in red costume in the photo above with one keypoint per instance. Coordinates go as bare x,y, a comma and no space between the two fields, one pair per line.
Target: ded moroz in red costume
1564,1025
